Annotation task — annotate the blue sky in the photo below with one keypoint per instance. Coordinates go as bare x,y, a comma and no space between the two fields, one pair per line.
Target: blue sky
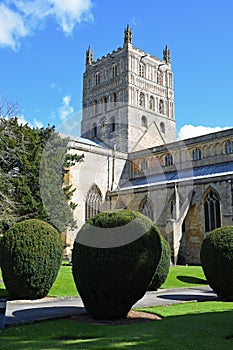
43,44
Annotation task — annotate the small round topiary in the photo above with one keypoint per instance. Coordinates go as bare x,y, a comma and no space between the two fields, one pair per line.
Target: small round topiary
217,260
112,271
163,267
31,255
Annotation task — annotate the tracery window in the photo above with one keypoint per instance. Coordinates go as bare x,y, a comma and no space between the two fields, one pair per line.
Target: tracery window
114,98
142,70
95,106
212,211
97,78
146,208
160,77
93,202
94,130
104,102
114,70
229,147
196,154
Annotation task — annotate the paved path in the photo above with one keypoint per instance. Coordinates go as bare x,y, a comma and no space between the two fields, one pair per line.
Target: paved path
21,311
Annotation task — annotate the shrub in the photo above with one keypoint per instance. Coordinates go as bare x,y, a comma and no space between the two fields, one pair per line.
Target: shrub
111,279
31,254
217,260
163,266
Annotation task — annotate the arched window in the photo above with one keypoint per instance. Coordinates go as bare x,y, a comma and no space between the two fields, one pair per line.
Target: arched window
229,147
93,202
152,103
94,130
112,126
142,70
212,211
196,154
97,78
104,103
162,127
114,70
146,208
114,98
95,106
144,121
161,106
168,159
142,99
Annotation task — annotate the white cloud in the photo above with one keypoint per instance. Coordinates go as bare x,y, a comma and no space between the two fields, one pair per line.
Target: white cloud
188,131
12,27
66,109
21,18
55,86
22,120
37,123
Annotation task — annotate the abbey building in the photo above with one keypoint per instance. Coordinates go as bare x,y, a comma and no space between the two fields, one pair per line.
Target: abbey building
133,159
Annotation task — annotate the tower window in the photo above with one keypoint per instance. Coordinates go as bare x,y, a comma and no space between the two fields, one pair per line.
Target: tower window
104,102
161,107
144,121
229,147
162,127
142,99
168,160
112,124
152,103
196,154
97,78
95,106
114,98
160,77
94,130
142,70
212,211
114,70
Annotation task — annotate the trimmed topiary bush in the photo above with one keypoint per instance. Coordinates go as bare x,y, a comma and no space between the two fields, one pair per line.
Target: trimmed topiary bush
31,255
114,270
163,267
217,260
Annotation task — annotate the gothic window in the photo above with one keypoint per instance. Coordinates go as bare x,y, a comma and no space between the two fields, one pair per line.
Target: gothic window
142,70
142,99
146,208
95,105
112,125
97,78
229,147
152,103
212,211
168,159
93,202
114,98
94,130
161,106
104,103
114,70
144,165
160,77
162,127
144,121
196,154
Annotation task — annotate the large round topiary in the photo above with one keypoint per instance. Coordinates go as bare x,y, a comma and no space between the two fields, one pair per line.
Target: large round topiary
31,254
217,260
163,267
111,279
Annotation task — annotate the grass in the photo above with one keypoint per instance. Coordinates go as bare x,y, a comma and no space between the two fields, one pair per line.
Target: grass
206,325
179,276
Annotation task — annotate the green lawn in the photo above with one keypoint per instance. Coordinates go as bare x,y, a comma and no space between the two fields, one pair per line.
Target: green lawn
179,276
196,326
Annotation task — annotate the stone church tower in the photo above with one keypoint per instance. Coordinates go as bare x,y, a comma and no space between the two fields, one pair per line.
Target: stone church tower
128,98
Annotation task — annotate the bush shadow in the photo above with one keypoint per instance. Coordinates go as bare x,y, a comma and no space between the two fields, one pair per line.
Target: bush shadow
191,280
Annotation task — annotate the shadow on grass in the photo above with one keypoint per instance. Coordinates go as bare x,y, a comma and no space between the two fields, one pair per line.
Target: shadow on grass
191,280
4,293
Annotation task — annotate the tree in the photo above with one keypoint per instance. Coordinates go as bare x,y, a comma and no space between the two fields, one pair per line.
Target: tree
28,157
